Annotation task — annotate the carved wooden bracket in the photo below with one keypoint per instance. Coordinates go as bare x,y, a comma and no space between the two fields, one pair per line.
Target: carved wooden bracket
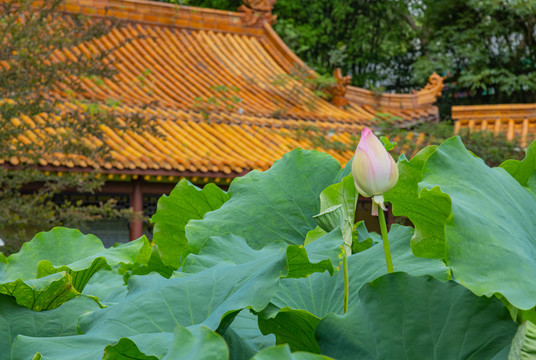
338,91
257,12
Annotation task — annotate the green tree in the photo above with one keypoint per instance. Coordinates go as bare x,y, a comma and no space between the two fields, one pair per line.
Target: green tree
370,40
36,82
487,48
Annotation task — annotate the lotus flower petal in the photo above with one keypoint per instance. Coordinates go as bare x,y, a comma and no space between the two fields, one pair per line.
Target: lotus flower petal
373,168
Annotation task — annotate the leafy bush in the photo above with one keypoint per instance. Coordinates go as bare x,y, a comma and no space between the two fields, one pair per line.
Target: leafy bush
248,274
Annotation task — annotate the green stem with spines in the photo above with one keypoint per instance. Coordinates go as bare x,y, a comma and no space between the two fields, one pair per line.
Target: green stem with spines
386,249
347,250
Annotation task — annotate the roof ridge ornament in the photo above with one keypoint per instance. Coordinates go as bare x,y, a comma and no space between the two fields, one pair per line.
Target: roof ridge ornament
257,12
434,85
339,89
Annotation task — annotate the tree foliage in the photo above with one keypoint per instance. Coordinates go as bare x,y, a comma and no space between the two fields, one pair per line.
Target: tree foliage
368,39
487,48
44,111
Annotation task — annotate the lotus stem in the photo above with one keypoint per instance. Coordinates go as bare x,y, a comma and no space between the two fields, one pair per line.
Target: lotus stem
386,249
347,250
346,282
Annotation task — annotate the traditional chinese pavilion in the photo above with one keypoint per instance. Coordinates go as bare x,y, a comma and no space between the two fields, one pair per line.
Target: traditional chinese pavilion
228,97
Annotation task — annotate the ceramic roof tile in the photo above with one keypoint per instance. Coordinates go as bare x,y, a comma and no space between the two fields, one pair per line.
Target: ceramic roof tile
191,146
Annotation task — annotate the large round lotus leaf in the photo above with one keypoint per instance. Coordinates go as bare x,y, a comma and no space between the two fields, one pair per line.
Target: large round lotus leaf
63,260
300,303
523,170
194,343
483,219
184,203
427,211
185,343
399,316
18,320
321,294
491,232
301,260
198,343
282,352
63,249
107,286
278,204
244,338
45,293
154,306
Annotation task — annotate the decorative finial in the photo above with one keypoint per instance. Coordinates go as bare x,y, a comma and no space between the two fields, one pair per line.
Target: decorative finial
340,88
257,12
435,84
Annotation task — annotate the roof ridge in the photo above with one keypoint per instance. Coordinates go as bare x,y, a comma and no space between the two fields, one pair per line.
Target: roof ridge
148,3
164,14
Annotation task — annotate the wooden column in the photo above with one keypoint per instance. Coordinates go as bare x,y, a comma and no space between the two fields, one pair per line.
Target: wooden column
136,203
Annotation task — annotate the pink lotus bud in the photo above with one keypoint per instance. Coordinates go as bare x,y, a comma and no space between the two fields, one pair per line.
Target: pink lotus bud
373,168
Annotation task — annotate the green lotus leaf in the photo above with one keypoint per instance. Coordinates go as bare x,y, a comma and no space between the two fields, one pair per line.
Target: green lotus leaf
63,249
299,303
301,260
342,194
331,218
173,212
18,320
40,294
522,170
154,306
362,239
483,222
125,349
321,294
244,338
428,212
524,343
490,231
282,352
199,343
401,316
293,327
196,343
154,264
107,286
275,205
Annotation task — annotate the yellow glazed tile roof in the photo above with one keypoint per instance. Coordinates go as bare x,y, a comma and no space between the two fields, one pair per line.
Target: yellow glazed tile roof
221,92
224,146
